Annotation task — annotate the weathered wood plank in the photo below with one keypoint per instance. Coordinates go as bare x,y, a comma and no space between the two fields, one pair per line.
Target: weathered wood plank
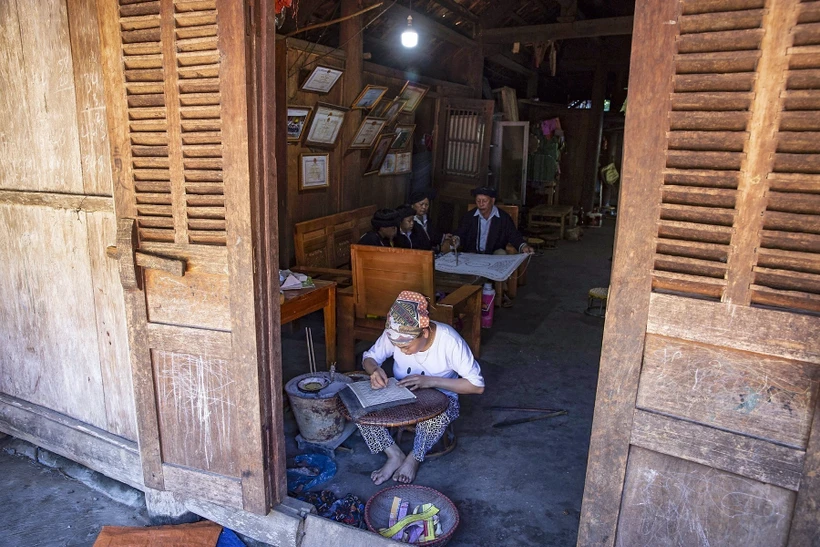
71,202
669,501
744,456
805,528
768,332
747,393
221,490
198,300
628,304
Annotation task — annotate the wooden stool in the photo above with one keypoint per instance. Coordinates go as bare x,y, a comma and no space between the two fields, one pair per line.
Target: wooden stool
447,442
596,302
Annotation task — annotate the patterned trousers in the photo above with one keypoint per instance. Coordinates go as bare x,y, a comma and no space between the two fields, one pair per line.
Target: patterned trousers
428,432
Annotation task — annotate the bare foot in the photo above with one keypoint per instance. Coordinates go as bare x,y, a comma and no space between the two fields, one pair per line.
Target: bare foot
395,457
407,471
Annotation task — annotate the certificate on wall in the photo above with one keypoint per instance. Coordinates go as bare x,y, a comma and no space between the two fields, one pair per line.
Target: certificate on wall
313,171
321,79
413,94
367,133
388,165
325,125
404,163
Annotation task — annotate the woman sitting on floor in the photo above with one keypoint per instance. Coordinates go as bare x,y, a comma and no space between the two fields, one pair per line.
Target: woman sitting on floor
426,354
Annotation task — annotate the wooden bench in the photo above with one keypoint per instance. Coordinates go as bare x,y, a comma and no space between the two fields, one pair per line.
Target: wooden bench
379,275
549,215
323,244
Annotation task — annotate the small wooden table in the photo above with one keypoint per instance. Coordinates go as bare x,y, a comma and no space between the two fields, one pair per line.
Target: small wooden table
429,403
549,215
301,302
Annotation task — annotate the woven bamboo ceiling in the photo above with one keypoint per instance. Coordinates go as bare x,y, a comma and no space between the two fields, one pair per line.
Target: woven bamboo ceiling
510,30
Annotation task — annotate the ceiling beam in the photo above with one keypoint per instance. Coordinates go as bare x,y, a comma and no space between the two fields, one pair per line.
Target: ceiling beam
589,28
458,9
425,24
497,13
505,62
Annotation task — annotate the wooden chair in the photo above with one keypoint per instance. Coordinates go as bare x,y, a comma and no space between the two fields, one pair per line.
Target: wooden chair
379,275
323,244
519,276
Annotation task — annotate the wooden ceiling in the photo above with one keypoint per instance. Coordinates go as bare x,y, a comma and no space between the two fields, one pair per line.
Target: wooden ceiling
583,30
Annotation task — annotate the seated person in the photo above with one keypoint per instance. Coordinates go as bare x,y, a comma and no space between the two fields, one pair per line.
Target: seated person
426,354
405,238
385,224
488,229
427,237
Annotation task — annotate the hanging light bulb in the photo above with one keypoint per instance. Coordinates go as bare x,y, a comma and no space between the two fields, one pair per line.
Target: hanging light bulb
409,38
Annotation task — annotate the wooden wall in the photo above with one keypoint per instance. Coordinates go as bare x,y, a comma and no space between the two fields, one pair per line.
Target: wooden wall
63,344
343,193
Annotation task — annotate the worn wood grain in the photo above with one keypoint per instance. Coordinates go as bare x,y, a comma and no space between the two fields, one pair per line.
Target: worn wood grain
670,501
751,201
743,392
198,300
221,490
50,352
72,202
112,331
805,528
90,93
628,304
745,456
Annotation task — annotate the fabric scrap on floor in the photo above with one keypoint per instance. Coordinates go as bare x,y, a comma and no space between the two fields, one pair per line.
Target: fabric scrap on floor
197,534
347,510
228,538
311,471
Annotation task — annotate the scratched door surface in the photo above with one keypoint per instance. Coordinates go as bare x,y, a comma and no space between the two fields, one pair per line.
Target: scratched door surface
178,116
706,427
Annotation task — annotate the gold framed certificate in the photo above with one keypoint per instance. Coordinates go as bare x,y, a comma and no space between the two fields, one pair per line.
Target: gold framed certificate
412,93
374,162
369,96
313,171
388,165
298,118
404,163
367,133
404,137
321,79
326,125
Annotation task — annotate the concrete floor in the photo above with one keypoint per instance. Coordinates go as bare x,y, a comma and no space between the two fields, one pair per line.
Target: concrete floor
521,485
518,486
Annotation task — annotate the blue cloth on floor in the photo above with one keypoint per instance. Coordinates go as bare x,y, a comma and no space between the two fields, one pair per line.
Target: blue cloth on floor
228,538
312,470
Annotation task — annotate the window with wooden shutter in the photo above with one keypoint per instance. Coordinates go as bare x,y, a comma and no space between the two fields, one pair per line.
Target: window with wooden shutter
171,66
465,134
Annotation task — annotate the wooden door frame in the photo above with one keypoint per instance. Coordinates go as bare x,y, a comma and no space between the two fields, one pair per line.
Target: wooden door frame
631,279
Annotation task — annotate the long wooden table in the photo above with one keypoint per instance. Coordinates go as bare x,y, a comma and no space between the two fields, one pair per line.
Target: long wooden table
301,302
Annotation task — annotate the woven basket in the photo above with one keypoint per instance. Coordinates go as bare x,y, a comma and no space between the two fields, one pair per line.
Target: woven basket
377,510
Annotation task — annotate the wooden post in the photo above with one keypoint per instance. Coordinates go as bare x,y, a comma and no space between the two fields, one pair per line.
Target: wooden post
350,35
593,125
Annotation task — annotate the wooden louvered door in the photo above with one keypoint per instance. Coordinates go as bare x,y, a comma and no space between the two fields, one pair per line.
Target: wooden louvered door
178,120
707,424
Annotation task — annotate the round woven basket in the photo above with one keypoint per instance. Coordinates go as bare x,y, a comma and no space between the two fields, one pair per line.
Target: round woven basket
377,510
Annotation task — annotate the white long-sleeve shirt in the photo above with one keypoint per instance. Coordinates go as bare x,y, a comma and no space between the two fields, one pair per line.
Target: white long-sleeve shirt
448,356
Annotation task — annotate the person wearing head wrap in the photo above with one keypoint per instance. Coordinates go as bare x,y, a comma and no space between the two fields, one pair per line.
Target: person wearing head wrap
385,224
405,238
426,354
426,237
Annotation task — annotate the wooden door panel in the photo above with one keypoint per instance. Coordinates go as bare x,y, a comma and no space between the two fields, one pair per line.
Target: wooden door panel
748,393
198,300
198,413
670,501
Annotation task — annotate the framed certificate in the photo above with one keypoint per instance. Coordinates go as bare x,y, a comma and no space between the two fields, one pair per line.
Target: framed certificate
374,162
395,108
404,163
367,133
321,79
298,117
412,93
313,171
404,137
326,125
388,165
369,96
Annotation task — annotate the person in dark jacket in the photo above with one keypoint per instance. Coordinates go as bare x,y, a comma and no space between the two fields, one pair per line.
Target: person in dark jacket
407,235
385,224
426,236
488,229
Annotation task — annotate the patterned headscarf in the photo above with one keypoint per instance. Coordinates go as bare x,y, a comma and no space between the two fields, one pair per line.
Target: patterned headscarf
407,318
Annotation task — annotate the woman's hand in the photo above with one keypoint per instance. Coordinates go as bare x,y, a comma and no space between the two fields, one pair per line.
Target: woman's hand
378,378
416,381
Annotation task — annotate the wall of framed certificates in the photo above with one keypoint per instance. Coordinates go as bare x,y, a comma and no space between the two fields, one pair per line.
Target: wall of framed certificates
376,126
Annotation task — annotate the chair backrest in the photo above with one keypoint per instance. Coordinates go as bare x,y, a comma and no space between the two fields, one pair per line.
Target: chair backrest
325,242
511,210
381,273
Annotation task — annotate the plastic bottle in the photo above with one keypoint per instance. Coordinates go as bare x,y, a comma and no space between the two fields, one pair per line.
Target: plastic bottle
487,305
